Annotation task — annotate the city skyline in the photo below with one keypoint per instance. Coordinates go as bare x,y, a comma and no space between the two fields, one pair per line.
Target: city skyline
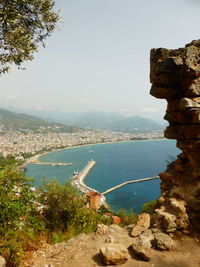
99,59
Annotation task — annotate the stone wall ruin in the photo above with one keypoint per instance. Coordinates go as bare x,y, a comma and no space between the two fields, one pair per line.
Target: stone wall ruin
175,76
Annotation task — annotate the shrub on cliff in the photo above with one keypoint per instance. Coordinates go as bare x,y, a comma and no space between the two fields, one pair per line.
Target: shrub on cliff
149,207
65,210
127,217
20,222
8,161
54,211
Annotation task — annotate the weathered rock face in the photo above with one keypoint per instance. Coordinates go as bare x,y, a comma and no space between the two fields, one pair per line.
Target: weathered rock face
175,76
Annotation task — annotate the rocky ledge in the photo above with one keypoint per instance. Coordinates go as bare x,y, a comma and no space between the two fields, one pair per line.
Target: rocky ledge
131,246
175,76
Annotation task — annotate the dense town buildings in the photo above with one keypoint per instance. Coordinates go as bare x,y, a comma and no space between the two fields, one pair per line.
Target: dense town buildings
18,142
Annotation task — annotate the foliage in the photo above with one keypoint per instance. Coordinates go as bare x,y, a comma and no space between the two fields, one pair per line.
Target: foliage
127,217
26,155
8,161
60,204
20,223
53,212
14,197
103,210
23,25
149,207
65,210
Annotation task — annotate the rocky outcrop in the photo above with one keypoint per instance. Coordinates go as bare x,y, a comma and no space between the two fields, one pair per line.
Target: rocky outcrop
151,238
117,242
175,76
84,250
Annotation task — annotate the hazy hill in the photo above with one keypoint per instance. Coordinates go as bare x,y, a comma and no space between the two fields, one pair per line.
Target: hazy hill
136,123
102,120
112,121
19,121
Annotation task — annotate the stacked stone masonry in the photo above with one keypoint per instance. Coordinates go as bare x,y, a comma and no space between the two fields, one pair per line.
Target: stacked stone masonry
175,76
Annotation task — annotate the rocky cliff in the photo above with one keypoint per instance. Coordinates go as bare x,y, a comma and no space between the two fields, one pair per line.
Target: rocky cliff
175,76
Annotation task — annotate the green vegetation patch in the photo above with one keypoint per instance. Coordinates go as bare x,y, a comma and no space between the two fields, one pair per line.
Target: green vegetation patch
149,207
27,215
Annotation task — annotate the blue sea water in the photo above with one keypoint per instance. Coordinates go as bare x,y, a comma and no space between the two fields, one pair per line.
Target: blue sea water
115,164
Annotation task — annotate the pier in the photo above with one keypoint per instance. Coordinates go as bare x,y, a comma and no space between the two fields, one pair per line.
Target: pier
129,182
95,197
78,179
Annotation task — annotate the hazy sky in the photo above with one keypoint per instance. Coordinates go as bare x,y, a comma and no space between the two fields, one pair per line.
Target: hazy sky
99,59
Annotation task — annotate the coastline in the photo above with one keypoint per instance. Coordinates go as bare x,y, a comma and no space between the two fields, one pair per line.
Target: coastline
35,158
81,176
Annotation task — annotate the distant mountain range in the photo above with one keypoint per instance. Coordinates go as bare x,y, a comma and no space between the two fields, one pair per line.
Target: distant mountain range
102,121
21,121
111,121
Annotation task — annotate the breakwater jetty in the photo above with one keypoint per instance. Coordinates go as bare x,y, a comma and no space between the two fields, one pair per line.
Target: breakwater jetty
129,182
50,163
78,179
35,161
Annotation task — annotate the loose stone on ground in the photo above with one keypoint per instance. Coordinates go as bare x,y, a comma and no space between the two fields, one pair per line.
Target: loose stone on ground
163,241
115,254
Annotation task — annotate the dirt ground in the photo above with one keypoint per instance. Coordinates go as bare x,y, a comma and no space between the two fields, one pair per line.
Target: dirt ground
83,251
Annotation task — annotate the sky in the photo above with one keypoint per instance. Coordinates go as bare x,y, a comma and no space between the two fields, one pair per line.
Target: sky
98,58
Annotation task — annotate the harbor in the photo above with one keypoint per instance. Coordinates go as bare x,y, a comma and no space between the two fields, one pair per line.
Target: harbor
98,198
101,177
78,180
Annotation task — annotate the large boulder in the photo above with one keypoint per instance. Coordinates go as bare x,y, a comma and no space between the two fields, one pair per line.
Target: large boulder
114,254
141,245
140,251
142,224
163,241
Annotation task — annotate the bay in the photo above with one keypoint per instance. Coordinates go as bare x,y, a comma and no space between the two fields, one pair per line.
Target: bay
115,164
